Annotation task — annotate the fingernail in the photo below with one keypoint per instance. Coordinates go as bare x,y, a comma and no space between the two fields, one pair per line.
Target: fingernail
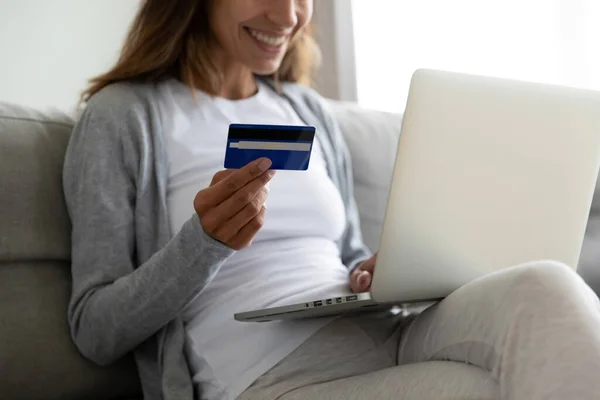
364,279
270,174
361,279
264,164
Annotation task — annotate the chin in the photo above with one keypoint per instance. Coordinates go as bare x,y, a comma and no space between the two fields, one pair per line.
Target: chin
266,69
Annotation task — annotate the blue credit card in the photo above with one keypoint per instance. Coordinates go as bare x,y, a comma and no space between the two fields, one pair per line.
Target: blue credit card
288,147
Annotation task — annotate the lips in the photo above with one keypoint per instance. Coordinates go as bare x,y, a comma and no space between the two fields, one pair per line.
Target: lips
268,39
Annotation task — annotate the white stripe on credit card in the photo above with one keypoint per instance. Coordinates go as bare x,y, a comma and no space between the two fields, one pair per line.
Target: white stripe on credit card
289,146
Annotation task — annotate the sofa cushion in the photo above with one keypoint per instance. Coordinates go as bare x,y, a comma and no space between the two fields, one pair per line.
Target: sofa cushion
38,359
372,138
32,210
589,261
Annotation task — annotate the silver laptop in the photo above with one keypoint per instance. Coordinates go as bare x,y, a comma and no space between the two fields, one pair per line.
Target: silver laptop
489,174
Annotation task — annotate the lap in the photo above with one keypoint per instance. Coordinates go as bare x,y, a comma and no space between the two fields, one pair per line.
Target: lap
356,358
374,349
346,347
454,381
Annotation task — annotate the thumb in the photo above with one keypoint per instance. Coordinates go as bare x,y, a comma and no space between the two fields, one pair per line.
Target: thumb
361,281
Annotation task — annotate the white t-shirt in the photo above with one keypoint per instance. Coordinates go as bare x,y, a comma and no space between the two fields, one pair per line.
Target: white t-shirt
293,258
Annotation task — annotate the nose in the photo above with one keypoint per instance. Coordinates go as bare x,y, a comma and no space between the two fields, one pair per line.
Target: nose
283,13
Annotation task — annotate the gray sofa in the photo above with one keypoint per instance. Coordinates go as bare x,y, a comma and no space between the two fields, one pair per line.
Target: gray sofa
37,358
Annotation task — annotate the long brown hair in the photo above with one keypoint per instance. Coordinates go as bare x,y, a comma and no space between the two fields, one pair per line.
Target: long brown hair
172,39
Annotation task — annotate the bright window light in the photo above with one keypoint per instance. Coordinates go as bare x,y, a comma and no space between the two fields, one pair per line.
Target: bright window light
551,41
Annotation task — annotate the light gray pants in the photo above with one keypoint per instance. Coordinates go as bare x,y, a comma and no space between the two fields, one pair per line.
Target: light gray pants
530,332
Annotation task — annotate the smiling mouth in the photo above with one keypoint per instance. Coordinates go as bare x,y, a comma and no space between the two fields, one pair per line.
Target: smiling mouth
269,40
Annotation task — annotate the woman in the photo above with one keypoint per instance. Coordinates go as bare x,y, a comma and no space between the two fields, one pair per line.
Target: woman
166,248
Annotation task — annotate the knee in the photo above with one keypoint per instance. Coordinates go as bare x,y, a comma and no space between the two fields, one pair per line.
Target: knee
550,276
546,269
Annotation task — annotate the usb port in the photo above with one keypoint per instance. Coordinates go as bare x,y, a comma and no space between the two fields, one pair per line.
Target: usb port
338,300
318,303
351,298
329,301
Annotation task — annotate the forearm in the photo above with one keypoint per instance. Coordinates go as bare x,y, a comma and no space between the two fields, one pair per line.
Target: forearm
110,317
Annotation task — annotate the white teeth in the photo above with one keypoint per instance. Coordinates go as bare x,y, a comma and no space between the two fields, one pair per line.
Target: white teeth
268,39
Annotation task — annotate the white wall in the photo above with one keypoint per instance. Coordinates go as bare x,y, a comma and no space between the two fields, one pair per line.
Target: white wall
49,48
551,41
